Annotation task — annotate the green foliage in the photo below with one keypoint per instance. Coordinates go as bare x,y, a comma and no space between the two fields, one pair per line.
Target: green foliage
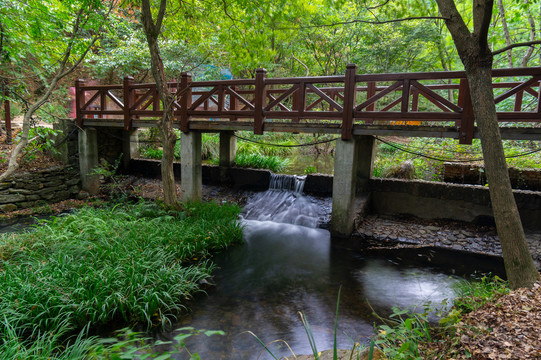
259,143
133,345
44,142
310,335
124,52
389,156
129,263
36,35
257,161
310,169
474,294
44,345
401,337
210,146
111,179
152,153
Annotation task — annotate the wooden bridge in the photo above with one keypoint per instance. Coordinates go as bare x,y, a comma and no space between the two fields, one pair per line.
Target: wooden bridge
431,104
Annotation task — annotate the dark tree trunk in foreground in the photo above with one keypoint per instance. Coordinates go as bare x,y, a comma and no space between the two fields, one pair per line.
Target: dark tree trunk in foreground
477,59
169,138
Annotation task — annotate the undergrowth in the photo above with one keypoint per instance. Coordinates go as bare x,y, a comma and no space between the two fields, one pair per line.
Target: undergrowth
409,335
130,264
431,169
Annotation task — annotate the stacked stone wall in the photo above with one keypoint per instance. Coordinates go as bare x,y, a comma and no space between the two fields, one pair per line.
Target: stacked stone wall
475,175
33,189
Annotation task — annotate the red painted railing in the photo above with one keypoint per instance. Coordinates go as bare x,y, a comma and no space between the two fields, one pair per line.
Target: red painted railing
396,99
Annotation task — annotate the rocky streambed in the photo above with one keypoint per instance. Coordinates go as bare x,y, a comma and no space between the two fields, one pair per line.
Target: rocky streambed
414,232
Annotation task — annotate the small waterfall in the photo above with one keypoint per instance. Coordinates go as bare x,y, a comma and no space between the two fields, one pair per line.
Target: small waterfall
287,182
284,202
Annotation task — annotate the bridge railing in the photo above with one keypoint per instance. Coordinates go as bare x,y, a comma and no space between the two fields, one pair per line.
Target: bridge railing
350,99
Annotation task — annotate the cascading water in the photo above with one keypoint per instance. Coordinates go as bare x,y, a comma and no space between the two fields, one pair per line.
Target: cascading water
283,203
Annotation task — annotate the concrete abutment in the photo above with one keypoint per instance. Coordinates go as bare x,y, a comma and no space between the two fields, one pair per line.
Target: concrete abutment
191,179
88,160
353,165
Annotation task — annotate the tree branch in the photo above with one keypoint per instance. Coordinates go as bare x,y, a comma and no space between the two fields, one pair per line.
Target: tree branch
378,22
378,6
146,14
227,13
303,64
161,14
482,15
512,46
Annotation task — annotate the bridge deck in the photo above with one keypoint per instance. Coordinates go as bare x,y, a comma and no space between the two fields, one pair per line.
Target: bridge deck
507,133
434,104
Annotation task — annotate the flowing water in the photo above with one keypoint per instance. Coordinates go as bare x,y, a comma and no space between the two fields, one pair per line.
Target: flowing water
288,265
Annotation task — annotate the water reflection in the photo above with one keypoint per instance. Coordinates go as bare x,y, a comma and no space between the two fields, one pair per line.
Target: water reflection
284,269
387,285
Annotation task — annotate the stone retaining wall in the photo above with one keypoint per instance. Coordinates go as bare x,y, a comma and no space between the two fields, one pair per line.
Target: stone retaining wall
32,189
474,174
470,203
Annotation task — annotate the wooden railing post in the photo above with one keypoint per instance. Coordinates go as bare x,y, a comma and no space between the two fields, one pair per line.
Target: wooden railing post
260,100
539,97
350,88
232,103
129,100
414,99
103,103
466,127
185,101
405,96
295,104
518,101
79,102
371,87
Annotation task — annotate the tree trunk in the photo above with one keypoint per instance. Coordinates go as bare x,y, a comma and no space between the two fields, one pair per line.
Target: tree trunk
169,138
477,59
519,266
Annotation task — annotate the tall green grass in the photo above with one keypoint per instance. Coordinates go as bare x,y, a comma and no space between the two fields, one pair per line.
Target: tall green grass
130,264
258,161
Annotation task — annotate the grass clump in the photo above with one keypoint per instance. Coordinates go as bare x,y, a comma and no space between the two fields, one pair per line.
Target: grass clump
258,161
131,264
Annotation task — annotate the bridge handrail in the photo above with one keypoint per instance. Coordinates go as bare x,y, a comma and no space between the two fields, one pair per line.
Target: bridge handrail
349,98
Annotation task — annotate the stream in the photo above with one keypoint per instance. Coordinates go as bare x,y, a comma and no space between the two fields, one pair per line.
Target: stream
288,265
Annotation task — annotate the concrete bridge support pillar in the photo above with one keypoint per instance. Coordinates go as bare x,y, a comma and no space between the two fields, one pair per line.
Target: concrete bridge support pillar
352,169
191,178
130,146
88,160
228,151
